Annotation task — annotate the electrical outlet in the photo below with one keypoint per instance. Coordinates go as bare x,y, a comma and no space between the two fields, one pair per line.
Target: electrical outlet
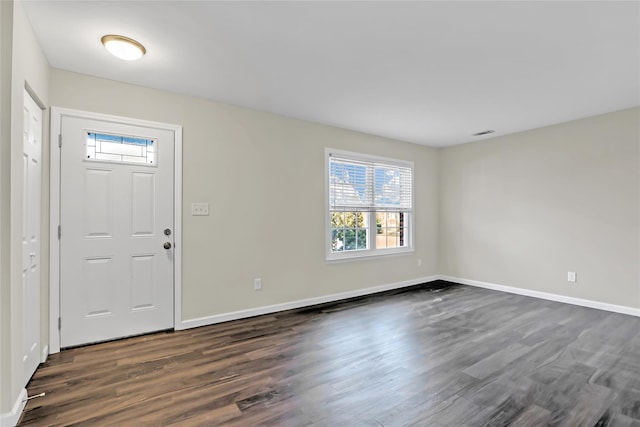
571,276
419,262
199,209
257,284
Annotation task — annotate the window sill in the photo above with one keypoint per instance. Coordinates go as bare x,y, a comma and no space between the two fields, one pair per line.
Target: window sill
342,257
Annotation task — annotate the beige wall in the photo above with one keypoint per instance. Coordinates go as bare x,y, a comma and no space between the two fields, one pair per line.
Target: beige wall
6,37
263,176
29,67
524,209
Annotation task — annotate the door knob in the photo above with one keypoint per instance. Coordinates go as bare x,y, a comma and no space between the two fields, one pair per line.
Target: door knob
167,245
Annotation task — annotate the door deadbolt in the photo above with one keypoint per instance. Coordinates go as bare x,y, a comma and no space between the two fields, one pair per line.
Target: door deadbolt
167,232
167,245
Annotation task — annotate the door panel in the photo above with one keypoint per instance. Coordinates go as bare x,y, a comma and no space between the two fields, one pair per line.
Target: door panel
116,278
143,202
97,274
97,203
142,269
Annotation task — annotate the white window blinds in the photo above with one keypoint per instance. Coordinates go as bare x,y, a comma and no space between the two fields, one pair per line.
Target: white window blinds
360,184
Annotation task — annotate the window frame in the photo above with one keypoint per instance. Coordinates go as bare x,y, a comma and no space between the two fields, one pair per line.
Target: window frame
372,250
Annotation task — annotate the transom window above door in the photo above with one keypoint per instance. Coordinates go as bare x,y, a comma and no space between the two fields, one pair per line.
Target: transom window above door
104,147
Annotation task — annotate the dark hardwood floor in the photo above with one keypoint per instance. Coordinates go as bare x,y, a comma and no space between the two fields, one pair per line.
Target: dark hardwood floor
444,355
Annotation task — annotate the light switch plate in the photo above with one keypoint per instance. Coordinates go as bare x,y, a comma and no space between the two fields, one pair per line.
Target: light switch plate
199,209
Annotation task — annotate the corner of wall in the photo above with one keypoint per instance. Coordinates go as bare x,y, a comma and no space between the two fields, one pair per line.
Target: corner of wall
438,197
6,47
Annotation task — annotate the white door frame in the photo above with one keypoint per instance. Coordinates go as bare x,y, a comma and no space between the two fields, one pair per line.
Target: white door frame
57,114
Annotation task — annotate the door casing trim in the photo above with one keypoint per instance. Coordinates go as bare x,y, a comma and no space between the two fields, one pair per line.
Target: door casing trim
57,114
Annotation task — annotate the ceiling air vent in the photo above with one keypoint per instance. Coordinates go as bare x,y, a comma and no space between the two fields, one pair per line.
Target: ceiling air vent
484,132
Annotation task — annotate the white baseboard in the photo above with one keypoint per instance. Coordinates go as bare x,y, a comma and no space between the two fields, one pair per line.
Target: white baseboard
235,315
10,419
548,296
241,314
45,354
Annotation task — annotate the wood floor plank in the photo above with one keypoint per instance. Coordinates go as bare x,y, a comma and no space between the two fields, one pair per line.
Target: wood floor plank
435,355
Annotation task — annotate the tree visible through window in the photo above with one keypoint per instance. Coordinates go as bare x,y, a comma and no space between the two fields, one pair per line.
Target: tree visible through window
370,205
348,231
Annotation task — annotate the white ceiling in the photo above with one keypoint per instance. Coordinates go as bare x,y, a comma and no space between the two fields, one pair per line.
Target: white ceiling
431,73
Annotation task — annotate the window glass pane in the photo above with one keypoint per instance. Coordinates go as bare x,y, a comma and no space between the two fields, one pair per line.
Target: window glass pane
120,149
392,187
355,219
337,219
391,230
337,240
392,219
350,242
348,184
361,239
353,239
381,237
387,186
349,231
393,237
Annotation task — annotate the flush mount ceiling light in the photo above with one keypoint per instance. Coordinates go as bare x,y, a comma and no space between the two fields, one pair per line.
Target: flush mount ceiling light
123,47
484,132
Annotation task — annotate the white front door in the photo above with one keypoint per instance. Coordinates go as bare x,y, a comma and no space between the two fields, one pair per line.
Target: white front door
32,172
117,224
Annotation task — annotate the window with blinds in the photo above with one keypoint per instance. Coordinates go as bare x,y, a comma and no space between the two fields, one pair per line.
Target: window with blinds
370,205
